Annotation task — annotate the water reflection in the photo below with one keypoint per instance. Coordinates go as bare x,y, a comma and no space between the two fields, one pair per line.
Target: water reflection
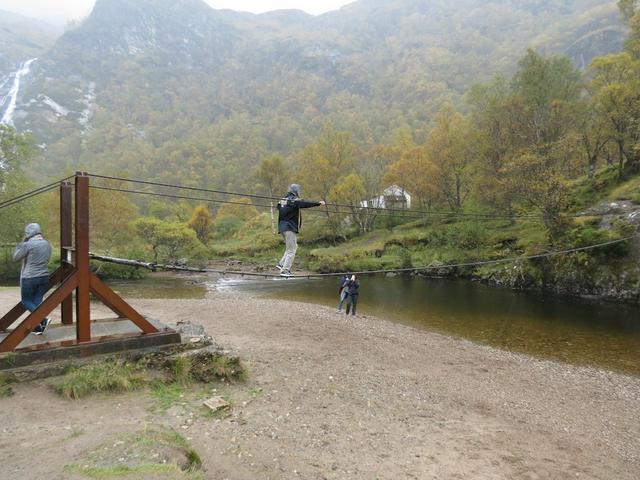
162,286
580,331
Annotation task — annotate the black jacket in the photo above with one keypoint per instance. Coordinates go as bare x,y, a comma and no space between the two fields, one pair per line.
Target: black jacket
354,287
289,218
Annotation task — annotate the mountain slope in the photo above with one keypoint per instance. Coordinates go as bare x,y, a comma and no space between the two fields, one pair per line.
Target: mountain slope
22,38
174,82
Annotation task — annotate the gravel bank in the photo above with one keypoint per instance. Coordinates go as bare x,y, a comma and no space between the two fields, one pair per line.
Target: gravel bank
335,397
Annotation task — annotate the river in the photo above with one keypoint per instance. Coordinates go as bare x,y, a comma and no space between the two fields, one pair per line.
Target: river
578,331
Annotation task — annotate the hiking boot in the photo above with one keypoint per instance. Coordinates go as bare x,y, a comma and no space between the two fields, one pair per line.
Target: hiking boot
286,273
42,326
279,267
45,323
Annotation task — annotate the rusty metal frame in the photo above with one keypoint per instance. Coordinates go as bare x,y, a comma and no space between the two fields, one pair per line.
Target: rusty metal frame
72,276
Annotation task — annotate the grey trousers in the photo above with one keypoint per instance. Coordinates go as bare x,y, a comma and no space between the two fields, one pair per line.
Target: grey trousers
291,245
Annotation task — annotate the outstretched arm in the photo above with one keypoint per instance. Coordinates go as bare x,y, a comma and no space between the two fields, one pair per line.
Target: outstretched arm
307,204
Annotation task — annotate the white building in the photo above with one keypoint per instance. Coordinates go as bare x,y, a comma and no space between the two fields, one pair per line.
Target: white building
392,197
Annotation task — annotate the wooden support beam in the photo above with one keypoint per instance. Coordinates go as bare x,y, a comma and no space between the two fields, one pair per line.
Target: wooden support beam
16,312
66,239
83,307
112,300
21,331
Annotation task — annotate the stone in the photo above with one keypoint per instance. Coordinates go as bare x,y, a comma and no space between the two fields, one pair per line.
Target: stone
216,403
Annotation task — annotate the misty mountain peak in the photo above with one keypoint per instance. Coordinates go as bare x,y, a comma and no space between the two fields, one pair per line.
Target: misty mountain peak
181,29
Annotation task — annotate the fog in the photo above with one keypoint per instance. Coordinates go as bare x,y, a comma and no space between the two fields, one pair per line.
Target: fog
59,12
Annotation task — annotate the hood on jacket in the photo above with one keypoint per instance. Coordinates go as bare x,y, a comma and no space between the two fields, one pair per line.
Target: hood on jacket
32,230
295,189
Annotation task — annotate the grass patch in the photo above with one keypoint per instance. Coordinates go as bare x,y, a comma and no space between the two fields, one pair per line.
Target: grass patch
208,367
169,471
629,190
8,359
5,386
180,368
166,376
156,452
205,366
167,394
110,376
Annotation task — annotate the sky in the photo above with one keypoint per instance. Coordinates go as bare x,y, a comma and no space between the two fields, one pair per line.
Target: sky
61,11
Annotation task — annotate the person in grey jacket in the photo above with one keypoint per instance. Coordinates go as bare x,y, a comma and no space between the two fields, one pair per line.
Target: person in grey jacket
34,252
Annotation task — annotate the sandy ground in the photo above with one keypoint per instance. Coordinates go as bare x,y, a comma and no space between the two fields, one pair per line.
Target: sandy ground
335,397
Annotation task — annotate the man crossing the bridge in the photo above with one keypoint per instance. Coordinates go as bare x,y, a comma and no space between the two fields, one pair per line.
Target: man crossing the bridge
289,223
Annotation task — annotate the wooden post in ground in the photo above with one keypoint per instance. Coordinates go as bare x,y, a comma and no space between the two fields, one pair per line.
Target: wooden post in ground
66,241
83,312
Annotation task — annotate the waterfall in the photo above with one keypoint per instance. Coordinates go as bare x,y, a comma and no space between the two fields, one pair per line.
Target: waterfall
12,96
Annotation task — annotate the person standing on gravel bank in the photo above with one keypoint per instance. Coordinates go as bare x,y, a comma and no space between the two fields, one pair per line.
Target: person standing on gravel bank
34,252
352,297
289,222
343,291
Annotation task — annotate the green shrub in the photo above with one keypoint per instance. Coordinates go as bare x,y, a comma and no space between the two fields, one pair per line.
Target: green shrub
227,226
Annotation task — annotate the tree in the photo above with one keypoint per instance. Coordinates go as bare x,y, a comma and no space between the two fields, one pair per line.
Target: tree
325,160
231,217
110,218
449,148
271,174
241,208
200,223
631,15
168,239
16,150
415,173
616,86
176,240
627,8
592,133
148,229
350,191
546,88
533,180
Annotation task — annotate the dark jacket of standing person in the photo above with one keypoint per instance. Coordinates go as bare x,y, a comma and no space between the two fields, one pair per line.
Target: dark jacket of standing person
289,218
354,287
352,297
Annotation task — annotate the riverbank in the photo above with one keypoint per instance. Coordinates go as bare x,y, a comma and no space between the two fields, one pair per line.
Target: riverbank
338,397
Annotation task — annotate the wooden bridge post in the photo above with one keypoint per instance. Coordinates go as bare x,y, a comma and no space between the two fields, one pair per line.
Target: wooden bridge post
83,308
66,242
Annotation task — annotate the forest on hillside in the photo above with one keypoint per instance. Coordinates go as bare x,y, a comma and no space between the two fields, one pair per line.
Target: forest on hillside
532,149
184,91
